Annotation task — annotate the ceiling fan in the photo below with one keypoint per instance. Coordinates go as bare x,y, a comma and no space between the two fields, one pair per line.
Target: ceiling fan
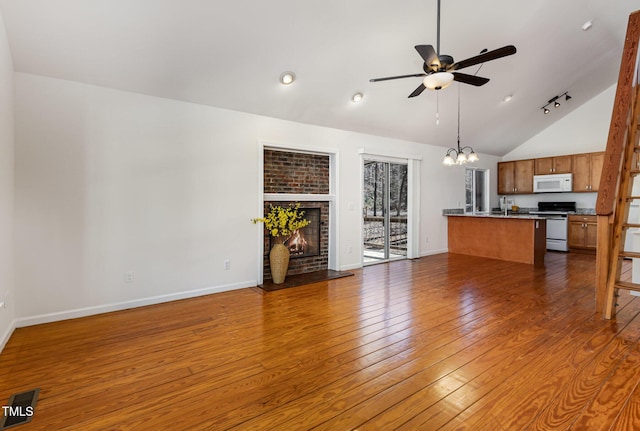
439,69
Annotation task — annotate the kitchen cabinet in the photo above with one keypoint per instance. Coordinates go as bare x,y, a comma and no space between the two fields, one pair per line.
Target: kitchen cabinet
554,165
587,169
583,232
515,177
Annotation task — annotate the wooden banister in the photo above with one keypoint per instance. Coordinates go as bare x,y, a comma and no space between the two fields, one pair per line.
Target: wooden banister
606,202
616,181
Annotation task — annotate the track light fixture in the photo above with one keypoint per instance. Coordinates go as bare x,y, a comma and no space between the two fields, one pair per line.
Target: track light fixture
554,101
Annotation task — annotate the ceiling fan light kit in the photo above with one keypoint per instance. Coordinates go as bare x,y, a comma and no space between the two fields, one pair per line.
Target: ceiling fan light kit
438,80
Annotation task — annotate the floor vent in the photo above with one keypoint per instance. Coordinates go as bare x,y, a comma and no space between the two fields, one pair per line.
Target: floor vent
19,410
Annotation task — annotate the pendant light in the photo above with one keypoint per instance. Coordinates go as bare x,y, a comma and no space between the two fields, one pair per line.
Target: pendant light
457,156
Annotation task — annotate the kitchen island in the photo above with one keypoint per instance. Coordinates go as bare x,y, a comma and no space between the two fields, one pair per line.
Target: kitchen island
515,238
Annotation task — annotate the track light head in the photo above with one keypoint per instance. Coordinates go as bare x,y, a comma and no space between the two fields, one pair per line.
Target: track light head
556,104
545,110
567,97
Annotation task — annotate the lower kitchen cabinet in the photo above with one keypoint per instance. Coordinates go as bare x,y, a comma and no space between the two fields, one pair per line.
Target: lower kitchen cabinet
583,232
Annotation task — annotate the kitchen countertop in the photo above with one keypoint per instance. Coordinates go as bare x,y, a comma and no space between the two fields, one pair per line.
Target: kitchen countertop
520,212
487,215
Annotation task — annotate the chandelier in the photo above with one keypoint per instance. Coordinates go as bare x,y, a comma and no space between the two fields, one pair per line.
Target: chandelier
459,155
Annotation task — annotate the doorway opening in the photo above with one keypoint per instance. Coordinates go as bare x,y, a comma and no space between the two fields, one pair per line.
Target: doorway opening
384,211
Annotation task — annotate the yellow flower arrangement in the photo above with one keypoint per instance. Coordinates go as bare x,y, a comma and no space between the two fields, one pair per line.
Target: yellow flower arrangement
283,222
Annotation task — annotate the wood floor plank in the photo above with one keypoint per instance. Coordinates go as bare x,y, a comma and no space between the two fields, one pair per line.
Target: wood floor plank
512,405
615,392
442,342
484,396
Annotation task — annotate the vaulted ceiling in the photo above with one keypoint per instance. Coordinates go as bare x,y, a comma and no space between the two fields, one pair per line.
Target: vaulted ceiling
230,55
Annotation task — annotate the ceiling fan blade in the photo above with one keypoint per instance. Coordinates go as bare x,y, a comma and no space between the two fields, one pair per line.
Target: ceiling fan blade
397,77
429,56
418,91
469,79
482,58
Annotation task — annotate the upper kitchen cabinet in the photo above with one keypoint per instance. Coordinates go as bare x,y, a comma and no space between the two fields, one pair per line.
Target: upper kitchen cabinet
587,169
554,165
515,177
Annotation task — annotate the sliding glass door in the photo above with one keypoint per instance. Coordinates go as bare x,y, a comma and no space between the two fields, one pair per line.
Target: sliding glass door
385,211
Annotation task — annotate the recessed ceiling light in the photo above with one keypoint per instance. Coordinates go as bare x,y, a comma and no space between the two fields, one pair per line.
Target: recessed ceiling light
507,98
287,78
587,25
357,97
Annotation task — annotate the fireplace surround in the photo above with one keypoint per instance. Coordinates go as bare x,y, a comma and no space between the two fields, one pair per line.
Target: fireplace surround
305,175
304,262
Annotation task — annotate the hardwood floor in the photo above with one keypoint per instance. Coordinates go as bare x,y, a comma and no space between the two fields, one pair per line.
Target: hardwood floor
445,342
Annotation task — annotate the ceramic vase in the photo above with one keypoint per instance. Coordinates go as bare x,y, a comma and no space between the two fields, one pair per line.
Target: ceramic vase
279,262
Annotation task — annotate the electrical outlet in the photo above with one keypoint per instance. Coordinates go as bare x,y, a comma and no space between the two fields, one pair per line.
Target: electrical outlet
227,264
128,277
350,250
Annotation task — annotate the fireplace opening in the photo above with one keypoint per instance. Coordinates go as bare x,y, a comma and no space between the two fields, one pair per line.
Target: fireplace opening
305,242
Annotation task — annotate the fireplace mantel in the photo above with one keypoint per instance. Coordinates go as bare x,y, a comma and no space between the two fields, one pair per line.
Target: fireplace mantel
286,197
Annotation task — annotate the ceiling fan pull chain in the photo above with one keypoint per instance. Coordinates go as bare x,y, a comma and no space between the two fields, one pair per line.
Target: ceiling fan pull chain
437,109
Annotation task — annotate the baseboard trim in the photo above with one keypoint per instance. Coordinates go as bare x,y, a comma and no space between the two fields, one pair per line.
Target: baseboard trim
432,252
107,308
351,267
7,334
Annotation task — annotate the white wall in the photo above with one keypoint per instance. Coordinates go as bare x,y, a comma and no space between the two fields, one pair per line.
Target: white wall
7,290
584,130
109,182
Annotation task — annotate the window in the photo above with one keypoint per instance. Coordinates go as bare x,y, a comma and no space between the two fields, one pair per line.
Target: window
476,190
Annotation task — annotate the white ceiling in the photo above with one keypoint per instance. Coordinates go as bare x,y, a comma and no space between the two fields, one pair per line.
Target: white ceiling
230,55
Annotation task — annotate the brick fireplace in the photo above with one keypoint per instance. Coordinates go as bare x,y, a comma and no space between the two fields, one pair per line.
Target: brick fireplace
299,173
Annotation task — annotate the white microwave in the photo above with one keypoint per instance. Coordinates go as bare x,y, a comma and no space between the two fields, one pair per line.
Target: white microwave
552,183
